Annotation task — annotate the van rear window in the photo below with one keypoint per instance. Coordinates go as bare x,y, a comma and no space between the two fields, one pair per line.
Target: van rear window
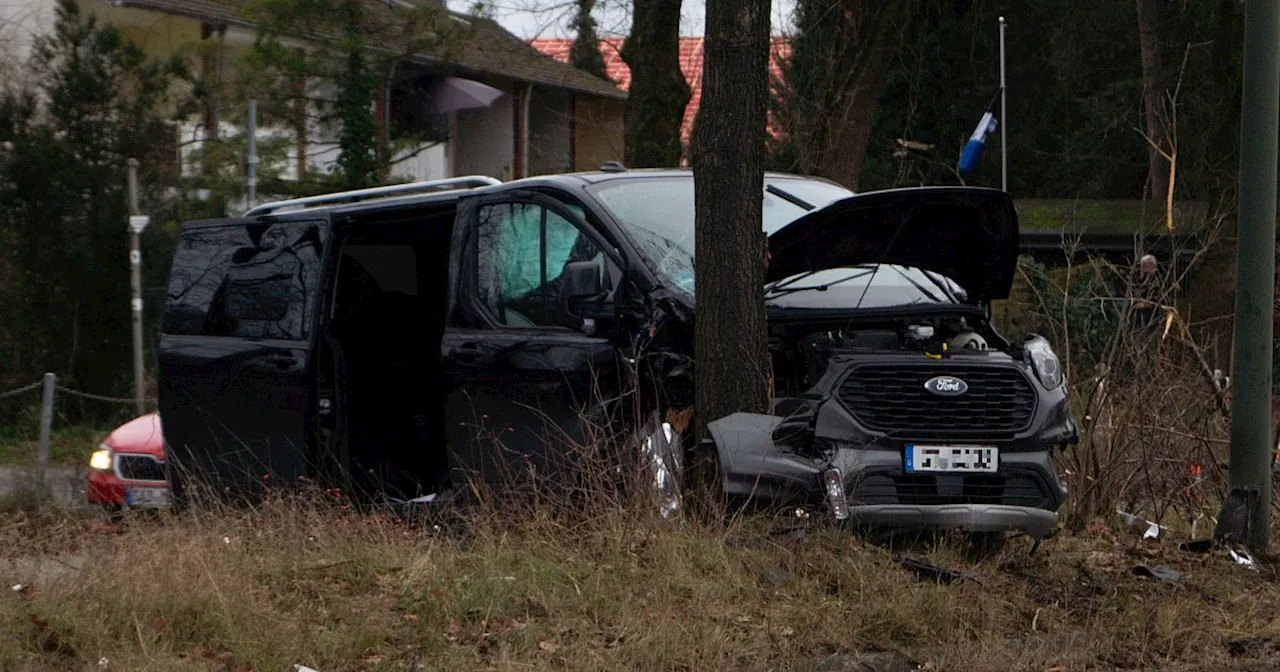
254,281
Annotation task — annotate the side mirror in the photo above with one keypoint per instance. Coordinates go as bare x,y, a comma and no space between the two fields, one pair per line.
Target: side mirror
580,280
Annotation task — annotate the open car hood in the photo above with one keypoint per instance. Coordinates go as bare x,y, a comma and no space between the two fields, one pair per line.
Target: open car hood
968,234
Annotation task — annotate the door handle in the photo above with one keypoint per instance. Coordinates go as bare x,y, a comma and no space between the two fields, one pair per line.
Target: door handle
467,353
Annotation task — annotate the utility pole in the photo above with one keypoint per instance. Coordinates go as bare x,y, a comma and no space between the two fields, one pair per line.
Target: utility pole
251,156
137,224
1250,499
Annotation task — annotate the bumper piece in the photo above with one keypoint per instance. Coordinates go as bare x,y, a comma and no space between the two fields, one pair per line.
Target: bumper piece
1038,523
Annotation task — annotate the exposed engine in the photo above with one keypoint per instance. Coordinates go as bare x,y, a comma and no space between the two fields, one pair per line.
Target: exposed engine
801,354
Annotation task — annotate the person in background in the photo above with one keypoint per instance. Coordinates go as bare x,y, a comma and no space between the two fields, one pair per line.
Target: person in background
1147,313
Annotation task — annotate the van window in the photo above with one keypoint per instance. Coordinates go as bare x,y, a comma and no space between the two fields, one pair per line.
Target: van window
521,252
254,281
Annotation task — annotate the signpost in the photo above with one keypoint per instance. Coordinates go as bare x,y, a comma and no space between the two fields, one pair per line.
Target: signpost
137,224
1247,511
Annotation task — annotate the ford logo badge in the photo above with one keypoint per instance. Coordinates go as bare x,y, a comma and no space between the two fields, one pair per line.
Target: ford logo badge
946,386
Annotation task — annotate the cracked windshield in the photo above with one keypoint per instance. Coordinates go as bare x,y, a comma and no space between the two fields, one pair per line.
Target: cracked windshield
658,214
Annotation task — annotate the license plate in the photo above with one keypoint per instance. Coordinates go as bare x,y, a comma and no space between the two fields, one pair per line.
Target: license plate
952,459
147,498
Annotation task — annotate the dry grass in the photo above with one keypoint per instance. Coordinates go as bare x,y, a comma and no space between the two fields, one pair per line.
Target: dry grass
313,584
68,445
610,587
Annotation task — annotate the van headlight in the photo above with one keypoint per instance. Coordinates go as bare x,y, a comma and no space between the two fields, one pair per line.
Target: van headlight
100,460
1047,367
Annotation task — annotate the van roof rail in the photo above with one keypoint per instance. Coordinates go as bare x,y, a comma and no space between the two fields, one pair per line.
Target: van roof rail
454,183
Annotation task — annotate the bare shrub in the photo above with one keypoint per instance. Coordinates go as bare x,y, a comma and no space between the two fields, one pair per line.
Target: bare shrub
1153,410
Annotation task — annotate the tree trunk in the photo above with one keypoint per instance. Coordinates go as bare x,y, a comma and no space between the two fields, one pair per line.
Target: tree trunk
849,129
1152,102
728,158
836,75
658,92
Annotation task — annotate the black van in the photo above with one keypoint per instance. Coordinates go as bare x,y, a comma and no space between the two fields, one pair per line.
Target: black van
419,335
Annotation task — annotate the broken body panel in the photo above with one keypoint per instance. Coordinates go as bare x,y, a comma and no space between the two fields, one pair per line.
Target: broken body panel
917,366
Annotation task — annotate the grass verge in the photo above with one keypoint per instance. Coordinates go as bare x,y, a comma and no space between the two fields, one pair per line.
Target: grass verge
68,446
317,585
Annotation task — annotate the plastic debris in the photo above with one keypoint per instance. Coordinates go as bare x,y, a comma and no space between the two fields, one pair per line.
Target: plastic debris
1153,531
18,587
933,572
1160,572
1242,557
1236,516
303,668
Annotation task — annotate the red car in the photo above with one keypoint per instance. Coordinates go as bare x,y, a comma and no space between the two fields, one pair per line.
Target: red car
127,469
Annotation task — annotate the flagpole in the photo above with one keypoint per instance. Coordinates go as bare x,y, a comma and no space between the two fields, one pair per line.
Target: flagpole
1004,120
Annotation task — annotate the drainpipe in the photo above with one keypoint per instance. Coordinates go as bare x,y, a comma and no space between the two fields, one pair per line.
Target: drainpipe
384,134
573,132
524,130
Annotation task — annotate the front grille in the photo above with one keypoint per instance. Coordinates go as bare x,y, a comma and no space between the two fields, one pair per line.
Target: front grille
139,468
933,490
892,398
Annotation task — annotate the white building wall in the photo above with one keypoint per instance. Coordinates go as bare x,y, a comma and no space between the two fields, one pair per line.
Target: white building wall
420,164
21,21
484,138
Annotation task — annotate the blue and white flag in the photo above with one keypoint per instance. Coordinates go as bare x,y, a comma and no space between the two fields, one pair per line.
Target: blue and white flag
973,148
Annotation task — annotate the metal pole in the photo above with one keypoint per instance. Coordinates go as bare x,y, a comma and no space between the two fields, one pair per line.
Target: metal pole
251,156
1004,120
46,424
1255,267
137,224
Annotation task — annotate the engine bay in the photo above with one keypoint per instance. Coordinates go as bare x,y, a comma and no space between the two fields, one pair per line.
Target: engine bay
802,352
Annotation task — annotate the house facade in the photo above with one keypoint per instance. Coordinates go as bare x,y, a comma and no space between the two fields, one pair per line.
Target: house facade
546,117
691,52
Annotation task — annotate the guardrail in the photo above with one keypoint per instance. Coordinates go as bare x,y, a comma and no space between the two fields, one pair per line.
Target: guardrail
49,387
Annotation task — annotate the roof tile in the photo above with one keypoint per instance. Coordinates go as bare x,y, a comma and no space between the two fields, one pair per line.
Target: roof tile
691,52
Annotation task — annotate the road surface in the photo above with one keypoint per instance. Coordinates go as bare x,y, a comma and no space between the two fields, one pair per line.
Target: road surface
66,484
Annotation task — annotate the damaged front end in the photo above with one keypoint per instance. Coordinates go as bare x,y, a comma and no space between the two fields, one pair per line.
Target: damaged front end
898,405
873,445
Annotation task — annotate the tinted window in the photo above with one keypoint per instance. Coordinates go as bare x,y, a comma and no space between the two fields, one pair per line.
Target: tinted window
521,253
255,281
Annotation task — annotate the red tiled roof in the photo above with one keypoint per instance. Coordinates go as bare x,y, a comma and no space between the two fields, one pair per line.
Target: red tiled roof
690,65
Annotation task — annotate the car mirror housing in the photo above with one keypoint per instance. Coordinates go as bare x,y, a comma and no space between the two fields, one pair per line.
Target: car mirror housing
580,280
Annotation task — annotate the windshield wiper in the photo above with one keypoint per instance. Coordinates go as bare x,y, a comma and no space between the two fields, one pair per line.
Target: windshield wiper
787,283
918,286
789,197
788,289
941,284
